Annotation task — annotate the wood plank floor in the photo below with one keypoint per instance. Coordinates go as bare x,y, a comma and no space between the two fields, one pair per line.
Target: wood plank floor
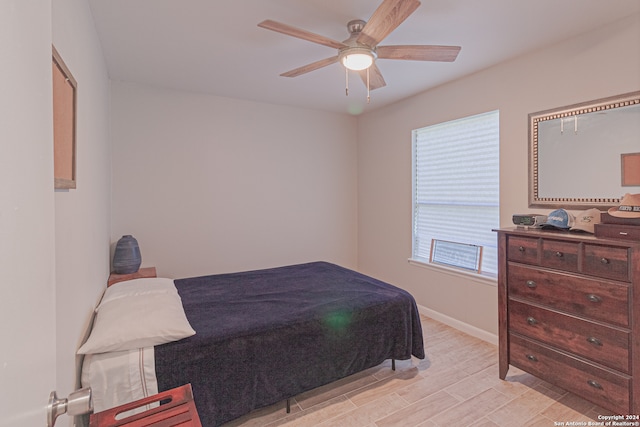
457,384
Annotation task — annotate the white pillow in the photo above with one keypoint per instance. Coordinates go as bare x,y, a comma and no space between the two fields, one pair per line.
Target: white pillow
143,286
127,319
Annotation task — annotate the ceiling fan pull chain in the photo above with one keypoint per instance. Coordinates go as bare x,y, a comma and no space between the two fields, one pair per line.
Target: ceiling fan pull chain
346,74
368,87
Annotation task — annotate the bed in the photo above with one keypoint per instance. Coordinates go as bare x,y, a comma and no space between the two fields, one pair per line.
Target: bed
265,336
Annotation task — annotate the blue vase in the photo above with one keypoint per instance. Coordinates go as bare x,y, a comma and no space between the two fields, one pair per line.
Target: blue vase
126,258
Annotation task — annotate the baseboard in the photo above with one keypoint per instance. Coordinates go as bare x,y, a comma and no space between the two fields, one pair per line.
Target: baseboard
459,325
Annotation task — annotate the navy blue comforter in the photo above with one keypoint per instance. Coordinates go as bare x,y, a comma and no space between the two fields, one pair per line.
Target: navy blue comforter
264,336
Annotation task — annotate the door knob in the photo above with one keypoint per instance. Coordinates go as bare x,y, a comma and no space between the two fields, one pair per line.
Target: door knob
77,403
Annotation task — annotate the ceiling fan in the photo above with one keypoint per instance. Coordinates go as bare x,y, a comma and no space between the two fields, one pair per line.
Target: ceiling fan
360,51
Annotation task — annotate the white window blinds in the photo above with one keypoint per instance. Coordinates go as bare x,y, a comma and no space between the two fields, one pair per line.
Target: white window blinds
456,186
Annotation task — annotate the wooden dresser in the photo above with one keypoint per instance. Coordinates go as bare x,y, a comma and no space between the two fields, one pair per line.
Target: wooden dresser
569,313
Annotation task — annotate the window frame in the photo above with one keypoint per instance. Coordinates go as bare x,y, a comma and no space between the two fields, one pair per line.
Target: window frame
485,277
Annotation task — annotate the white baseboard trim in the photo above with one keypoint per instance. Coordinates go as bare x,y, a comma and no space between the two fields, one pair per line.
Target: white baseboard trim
461,326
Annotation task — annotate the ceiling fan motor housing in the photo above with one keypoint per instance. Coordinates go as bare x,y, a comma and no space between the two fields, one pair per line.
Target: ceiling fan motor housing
354,49
355,26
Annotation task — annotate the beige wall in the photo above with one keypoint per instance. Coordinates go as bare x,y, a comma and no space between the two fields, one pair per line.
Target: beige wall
598,64
210,185
82,216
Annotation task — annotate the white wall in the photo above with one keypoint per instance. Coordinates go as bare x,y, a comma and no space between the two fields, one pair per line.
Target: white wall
27,262
210,185
82,225
601,63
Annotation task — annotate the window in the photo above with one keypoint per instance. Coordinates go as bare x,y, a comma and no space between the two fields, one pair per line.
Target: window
456,186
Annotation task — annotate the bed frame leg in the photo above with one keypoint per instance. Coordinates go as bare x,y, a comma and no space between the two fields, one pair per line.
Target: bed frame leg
393,364
288,406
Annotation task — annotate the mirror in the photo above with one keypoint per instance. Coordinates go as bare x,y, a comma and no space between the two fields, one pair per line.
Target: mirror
585,155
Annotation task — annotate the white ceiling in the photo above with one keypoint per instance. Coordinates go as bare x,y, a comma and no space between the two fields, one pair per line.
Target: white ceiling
216,47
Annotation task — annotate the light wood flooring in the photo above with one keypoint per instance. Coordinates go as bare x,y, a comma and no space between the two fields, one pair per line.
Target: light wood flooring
457,384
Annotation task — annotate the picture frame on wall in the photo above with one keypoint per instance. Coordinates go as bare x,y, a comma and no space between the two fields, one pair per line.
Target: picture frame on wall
64,124
630,168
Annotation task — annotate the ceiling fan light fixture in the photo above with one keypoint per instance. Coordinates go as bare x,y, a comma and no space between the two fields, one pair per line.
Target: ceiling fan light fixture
357,58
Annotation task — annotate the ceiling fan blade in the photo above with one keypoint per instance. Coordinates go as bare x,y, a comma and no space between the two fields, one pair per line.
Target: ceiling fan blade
310,67
385,19
376,80
301,34
419,52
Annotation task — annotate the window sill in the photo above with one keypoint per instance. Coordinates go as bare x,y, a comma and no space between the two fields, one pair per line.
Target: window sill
482,278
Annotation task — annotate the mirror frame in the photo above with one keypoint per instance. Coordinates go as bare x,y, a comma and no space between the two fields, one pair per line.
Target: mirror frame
535,201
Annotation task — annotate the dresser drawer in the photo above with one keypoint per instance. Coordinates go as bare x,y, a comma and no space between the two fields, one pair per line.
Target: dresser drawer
522,249
602,344
596,299
560,255
606,261
597,385
618,231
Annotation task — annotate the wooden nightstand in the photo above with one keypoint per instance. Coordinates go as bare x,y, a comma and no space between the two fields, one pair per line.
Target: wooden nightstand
143,272
177,409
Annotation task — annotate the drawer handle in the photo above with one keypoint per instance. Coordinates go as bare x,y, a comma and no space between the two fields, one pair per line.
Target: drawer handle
532,358
521,248
594,384
559,254
594,341
604,261
594,298
531,284
532,321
